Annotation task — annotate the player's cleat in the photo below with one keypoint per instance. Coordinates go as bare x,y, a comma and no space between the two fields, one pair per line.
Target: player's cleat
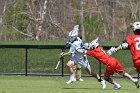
103,84
80,79
136,82
117,86
71,81
74,80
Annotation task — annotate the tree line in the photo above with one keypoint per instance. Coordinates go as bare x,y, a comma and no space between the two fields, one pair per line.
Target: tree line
53,19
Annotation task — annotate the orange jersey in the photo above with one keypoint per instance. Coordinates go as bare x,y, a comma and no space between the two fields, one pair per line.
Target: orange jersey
134,45
112,65
99,54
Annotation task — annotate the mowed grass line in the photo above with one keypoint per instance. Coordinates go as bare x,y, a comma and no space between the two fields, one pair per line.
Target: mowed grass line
33,84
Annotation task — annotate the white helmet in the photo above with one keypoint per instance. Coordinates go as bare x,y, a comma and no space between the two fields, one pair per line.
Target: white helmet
76,27
94,43
73,34
136,25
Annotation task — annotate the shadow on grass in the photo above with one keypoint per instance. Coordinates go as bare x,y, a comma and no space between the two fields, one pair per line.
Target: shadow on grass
96,89
80,88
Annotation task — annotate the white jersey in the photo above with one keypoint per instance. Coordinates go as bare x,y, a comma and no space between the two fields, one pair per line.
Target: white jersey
76,56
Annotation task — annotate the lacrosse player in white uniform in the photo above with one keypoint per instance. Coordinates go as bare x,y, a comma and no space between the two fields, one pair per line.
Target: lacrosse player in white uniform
77,56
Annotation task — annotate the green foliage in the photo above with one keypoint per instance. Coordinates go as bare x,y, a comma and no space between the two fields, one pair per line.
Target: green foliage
109,43
9,31
93,26
15,20
12,14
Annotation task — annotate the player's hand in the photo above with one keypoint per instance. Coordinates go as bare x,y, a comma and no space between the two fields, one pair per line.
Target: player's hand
85,57
61,54
124,45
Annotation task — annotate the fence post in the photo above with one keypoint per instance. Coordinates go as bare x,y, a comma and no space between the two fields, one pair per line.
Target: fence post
62,59
99,68
26,61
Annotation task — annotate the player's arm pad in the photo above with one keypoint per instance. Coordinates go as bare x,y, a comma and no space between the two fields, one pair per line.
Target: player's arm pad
124,45
111,50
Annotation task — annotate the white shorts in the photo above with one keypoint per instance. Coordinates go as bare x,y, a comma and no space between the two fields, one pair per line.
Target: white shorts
82,60
85,64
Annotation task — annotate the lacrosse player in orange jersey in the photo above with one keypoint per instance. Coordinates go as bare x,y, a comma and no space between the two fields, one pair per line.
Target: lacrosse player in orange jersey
133,43
112,64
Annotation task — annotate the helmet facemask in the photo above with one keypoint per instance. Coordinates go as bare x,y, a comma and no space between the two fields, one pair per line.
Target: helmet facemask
72,39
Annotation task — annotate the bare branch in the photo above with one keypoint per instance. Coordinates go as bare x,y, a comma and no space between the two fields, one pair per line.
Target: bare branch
15,29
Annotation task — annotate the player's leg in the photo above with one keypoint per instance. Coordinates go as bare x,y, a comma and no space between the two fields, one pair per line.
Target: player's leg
119,70
87,67
111,81
78,72
70,65
110,71
92,73
135,81
137,66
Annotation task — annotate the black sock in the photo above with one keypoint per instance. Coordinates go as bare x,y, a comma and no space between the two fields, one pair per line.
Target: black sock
100,79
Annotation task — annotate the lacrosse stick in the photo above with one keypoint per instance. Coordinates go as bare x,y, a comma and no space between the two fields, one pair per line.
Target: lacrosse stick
61,57
57,65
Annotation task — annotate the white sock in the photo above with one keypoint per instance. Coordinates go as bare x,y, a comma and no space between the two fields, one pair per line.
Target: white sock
72,76
133,80
115,83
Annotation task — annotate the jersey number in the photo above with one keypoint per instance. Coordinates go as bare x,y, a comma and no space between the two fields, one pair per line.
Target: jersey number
103,51
137,43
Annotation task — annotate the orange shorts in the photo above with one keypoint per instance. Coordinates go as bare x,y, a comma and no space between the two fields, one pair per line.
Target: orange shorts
137,66
113,66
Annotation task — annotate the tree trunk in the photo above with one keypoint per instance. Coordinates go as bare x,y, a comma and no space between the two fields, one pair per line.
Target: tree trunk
81,21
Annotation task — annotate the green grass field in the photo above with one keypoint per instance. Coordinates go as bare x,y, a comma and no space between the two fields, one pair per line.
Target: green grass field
35,84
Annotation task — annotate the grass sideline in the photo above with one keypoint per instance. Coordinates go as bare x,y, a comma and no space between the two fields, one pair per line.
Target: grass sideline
30,84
